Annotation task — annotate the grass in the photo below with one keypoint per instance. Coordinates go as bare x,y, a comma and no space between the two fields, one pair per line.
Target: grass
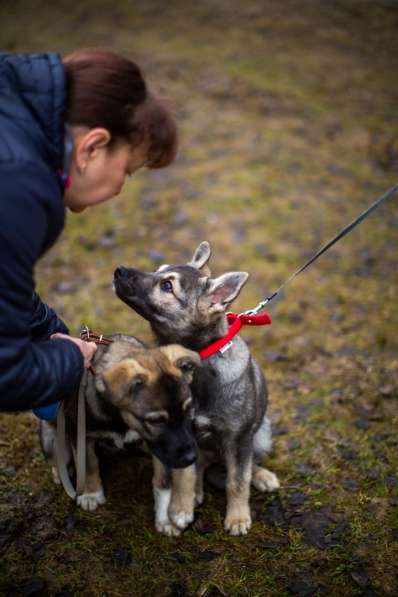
288,127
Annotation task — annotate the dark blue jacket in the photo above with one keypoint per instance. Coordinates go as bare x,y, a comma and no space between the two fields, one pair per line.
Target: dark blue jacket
34,371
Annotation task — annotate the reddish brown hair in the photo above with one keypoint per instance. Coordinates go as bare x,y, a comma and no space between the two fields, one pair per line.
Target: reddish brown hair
104,89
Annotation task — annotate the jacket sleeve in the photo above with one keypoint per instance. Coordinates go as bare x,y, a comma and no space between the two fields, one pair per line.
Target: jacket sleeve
32,373
44,320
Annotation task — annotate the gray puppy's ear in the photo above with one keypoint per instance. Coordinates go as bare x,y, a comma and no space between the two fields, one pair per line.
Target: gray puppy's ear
223,290
201,257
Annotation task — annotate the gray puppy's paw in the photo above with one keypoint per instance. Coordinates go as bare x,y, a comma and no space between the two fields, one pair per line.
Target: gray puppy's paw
263,480
238,525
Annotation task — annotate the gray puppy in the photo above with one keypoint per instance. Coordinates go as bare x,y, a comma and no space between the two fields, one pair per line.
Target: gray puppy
135,393
183,304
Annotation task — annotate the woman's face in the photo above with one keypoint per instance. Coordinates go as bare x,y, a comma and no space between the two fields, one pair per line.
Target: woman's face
98,171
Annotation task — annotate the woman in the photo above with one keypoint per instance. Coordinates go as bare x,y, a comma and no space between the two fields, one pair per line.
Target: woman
71,130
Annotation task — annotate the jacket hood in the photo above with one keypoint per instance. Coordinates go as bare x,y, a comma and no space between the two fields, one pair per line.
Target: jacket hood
32,97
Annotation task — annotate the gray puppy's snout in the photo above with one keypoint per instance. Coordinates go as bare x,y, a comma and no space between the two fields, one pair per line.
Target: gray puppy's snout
121,272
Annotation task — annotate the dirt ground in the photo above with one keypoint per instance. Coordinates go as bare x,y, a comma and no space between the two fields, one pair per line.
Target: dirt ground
288,124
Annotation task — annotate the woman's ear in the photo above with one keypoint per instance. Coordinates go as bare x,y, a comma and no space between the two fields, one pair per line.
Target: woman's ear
87,144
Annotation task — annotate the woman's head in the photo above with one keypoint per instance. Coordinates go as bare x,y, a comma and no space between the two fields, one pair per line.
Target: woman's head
117,125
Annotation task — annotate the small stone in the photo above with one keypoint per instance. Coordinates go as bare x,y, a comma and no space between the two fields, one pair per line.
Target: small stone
207,555
298,499
203,526
66,591
347,453
360,577
66,287
181,218
177,590
276,357
302,587
304,469
38,551
8,529
293,444
70,524
350,484
362,424
107,240
239,232
156,256
275,543
122,557
33,586
387,391
391,482
279,430
274,514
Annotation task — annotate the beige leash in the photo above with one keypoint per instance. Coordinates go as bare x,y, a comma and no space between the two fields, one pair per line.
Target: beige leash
61,450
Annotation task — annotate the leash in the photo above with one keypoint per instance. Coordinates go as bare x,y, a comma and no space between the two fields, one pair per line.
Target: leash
252,317
61,451
325,247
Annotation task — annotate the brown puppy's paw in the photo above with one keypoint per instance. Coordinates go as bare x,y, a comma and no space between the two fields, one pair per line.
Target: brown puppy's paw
91,501
167,528
181,519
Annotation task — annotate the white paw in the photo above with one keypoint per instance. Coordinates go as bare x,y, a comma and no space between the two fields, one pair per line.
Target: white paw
264,480
91,501
181,519
238,524
167,528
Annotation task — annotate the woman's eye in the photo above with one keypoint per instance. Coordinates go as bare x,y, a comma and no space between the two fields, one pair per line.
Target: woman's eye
166,286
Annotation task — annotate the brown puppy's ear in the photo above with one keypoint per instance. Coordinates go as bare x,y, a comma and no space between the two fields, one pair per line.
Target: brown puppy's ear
183,359
201,257
223,290
118,378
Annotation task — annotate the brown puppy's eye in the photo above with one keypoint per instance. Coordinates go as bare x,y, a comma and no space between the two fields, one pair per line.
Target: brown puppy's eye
166,286
185,365
137,384
156,422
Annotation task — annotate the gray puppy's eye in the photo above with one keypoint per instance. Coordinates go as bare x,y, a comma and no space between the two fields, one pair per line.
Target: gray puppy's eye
166,286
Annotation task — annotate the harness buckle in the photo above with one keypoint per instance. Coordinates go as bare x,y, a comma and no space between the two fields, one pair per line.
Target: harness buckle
225,347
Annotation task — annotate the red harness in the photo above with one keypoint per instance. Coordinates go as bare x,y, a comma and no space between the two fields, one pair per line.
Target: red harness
235,323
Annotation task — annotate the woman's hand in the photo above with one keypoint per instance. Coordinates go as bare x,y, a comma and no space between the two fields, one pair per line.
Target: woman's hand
86,348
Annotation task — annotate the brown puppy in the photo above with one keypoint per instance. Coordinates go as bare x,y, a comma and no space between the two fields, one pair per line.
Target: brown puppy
135,394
